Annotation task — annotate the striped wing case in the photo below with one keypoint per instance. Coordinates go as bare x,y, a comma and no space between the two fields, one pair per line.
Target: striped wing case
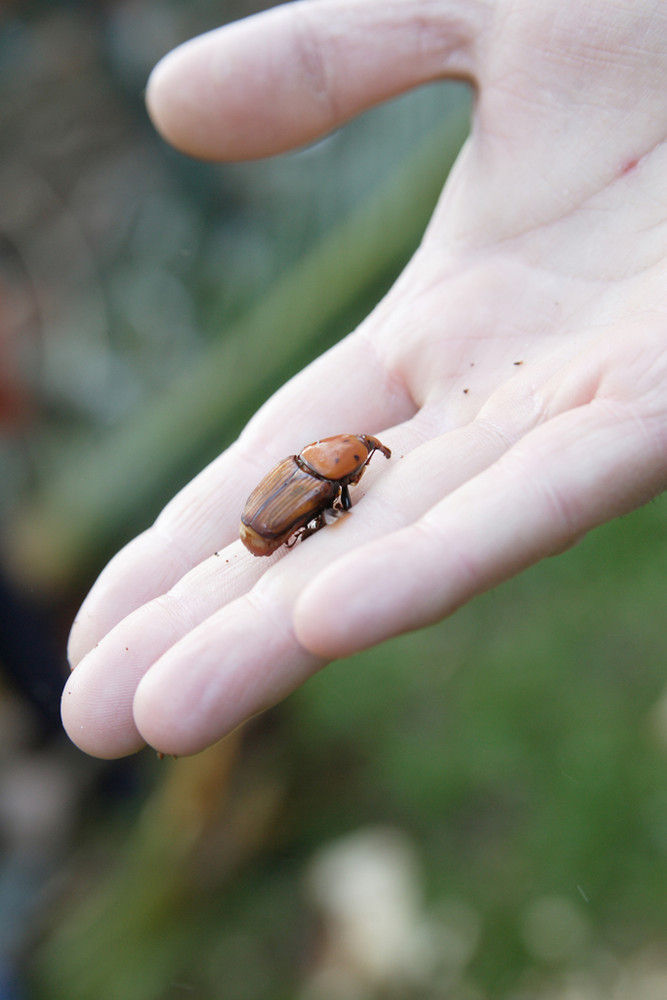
286,500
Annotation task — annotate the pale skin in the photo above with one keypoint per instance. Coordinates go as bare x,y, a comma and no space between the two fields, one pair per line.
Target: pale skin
548,248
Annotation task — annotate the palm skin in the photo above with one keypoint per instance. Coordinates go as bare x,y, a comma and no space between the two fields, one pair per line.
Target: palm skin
517,369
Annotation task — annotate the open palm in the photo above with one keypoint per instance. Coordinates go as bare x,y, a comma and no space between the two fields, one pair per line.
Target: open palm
517,369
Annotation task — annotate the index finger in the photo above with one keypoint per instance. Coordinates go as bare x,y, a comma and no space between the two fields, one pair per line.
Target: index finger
347,389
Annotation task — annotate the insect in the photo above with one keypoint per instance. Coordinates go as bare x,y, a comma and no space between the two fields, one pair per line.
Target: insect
303,490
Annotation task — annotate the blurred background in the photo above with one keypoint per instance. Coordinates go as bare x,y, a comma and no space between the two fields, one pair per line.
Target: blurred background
474,812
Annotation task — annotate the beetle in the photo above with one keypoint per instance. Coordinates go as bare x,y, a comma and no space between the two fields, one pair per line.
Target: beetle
300,492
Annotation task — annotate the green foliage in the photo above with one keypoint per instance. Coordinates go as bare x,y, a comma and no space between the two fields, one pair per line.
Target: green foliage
516,744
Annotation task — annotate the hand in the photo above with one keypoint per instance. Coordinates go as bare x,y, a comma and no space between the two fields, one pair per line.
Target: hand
517,369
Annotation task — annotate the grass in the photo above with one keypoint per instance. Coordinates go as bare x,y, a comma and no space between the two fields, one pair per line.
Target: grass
516,744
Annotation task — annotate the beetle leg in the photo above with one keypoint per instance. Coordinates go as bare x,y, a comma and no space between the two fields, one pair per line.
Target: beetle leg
303,533
332,514
355,480
315,525
345,498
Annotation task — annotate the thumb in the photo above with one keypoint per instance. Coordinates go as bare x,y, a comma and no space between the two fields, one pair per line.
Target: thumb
282,78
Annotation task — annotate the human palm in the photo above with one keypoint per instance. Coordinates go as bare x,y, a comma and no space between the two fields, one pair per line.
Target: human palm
517,369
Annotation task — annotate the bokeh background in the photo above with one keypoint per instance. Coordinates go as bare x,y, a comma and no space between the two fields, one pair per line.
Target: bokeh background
474,812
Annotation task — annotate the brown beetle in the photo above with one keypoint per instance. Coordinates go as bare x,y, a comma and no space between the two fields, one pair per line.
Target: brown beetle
299,492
